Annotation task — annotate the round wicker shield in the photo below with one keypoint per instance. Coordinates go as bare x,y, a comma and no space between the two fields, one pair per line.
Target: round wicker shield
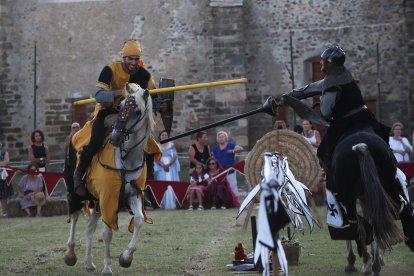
301,157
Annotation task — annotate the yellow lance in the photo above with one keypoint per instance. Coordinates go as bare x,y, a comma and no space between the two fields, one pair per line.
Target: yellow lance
179,88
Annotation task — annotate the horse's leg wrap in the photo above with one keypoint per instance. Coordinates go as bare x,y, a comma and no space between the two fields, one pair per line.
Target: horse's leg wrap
407,221
92,222
70,256
350,267
107,238
376,258
126,257
84,161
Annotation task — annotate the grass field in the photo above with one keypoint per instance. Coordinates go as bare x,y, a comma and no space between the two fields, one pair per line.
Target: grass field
180,242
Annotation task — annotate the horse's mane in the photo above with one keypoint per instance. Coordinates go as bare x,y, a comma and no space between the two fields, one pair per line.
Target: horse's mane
149,114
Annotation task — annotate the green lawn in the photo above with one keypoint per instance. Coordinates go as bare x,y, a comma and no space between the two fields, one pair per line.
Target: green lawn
180,242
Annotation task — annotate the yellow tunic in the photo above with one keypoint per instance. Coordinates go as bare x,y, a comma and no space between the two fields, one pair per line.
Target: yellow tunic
105,184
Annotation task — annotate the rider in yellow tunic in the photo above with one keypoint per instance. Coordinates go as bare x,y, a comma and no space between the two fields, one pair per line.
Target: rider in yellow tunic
109,92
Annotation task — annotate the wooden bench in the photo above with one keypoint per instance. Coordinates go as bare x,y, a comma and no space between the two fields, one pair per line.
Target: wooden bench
53,207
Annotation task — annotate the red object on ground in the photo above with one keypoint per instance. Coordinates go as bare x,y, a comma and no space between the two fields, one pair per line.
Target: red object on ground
239,254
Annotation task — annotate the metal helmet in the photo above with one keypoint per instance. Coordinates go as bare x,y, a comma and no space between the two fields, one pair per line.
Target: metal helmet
334,54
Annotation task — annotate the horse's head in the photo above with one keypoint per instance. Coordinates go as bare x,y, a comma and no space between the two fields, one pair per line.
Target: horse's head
135,114
273,169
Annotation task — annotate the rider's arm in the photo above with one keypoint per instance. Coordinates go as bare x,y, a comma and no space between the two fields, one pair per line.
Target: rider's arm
310,90
103,95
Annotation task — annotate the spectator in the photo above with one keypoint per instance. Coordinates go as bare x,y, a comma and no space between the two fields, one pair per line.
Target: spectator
310,134
6,191
198,183
412,138
73,129
298,129
218,188
168,167
169,200
199,152
30,191
38,151
225,153
399,145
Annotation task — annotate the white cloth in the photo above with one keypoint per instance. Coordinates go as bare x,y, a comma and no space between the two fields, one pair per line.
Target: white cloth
169,200
3,174
398,149
334,215
232,179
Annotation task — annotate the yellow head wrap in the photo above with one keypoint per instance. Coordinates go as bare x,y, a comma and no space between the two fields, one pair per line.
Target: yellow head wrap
131,48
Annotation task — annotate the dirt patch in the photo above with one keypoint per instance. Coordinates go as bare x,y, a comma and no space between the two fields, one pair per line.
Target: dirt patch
199,262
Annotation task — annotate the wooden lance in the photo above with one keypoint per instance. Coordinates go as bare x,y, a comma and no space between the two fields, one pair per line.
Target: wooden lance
178,88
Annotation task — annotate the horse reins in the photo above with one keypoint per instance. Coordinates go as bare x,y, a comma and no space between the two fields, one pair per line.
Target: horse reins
126,138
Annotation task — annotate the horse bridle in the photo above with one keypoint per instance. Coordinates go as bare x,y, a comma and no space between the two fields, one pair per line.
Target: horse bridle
119,127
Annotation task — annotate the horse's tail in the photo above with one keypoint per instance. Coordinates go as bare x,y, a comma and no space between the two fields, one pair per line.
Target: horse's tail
378,208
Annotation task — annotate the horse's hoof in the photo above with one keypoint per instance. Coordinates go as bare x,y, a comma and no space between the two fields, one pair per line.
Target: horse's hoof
70,260
90,269
107,273
367,269
124,263
350,269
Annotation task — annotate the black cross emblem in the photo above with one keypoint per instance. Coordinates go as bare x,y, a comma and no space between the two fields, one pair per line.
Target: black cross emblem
332,209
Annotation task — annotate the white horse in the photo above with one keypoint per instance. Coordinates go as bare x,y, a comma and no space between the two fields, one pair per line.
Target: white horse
126,172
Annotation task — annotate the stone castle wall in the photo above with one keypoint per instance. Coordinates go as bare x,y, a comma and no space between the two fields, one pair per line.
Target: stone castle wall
192,42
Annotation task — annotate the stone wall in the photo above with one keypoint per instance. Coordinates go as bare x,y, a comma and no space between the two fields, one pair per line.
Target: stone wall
194,41
356,25
409,42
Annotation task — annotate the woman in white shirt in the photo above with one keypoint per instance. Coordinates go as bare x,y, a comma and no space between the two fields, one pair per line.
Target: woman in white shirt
400,145
311,135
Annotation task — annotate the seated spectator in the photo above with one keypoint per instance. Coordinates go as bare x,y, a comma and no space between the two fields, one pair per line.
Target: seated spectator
168,167
225,153
6,191
200,151
310,134
218,188
30,191
298,129
399,145
198,183
38,151
412,138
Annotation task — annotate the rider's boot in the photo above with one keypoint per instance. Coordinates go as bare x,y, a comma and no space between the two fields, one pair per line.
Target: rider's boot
407,221
84,161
